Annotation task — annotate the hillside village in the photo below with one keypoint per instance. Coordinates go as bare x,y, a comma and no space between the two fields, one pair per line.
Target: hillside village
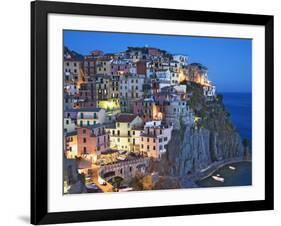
120,110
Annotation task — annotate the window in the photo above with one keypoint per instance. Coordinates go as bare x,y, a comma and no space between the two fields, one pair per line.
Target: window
133,132
70,148
147,147
129,133
81,123
84,131
154,140
161,131
147,139
129,140
81,115
154,148
84,140
165,138
67,122
142,146
118,139
85,150
88,123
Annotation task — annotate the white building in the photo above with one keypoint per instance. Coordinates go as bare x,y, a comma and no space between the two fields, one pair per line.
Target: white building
182,59
72,72
209,91
89,117
69,125
163,74
154,139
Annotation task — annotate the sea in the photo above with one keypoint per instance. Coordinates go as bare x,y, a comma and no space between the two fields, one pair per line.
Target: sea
239,105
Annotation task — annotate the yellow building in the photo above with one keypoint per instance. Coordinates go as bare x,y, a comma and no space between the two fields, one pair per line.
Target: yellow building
124,135
104,66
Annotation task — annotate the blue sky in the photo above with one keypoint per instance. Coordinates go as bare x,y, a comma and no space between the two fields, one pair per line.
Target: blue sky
229,60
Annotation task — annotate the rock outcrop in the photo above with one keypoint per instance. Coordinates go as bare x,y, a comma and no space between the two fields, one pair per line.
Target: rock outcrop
212,139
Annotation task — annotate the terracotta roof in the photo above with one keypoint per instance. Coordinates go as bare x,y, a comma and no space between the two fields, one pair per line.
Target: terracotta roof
125,117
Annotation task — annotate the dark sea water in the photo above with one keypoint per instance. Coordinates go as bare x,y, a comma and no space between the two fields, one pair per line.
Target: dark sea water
239,105
241,176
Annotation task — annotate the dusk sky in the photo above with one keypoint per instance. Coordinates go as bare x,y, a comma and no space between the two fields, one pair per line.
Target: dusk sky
229,60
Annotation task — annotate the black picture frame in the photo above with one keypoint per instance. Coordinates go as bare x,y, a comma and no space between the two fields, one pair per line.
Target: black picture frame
39,112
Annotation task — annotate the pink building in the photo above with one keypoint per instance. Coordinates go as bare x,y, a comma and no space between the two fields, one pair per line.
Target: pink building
92,140
138,107
120,67
154,52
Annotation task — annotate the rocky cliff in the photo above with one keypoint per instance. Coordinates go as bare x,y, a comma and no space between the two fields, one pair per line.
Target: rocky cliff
213,138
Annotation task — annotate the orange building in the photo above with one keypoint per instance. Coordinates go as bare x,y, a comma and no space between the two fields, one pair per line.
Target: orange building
92,140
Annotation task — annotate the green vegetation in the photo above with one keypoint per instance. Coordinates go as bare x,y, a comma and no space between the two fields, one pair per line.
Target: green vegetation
209,114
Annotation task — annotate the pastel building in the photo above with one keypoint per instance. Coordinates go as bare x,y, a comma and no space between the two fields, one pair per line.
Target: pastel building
154,139
209,90
71,89
154,51
70,145
92,141
89,66
70,101
130,90
163,74
182,59
120,67
114,87
123,136
102,86
72,72
103,66
87,95
89,117
69,125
